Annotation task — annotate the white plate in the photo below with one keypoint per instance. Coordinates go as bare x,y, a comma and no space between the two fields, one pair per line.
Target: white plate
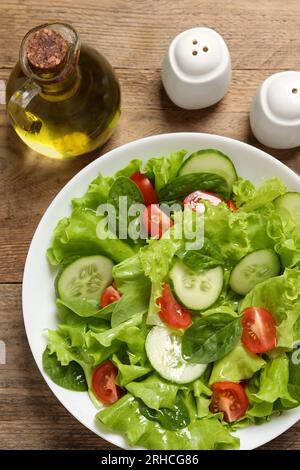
38,291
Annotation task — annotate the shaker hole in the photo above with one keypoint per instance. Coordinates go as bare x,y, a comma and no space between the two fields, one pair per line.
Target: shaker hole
194,52
195,41
205,49
295,91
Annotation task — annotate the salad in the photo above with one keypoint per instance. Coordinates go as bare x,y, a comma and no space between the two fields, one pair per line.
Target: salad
178,343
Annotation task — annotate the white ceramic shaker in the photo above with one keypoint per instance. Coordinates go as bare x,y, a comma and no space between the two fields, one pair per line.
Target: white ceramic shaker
196,70
275,111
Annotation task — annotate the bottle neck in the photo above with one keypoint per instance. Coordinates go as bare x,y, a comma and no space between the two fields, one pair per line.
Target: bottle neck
63,89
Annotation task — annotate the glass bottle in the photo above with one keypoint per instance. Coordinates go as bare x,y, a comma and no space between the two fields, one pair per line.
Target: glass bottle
63,100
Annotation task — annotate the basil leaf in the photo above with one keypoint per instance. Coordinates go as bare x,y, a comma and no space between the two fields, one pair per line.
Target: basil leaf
172,419
70,377
124,187
211,337
207,257
183,185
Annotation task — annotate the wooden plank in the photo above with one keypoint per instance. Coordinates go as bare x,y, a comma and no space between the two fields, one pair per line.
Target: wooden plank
26,402
136,33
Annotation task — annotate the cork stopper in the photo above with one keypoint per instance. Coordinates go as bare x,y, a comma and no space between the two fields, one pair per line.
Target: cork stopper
46,50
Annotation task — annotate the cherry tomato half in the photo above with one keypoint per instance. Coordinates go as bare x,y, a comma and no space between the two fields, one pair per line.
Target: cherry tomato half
146,188
230,398
155,221
104,385
171,312
109,295
259,330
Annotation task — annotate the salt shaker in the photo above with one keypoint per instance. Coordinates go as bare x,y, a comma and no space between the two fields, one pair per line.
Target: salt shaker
275,111
196,69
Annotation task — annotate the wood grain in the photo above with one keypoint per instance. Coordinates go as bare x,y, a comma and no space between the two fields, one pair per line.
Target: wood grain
263,37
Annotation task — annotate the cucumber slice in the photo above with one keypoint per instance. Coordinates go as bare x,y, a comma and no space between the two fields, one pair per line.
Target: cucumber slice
196,291
85,279
288,207
210,161
253,269
163,348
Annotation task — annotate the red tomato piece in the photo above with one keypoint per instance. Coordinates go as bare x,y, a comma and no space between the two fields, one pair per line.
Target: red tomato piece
230,398
109,295
146,188
155,221
104,384
259,330
231,205
171,312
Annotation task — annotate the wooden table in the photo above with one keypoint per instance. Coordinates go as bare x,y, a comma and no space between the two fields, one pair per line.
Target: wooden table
263,37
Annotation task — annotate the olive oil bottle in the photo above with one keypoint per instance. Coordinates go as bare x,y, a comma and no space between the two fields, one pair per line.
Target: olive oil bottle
63,99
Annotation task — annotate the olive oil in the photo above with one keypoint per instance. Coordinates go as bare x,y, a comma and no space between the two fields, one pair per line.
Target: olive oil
68,111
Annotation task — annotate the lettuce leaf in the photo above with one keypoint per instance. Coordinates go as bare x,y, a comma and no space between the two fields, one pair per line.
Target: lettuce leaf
129,372
249,198
238,365
273,384
98,189
135,288
164,169
96,194
76,236
154,391
125,417
286,240
236,233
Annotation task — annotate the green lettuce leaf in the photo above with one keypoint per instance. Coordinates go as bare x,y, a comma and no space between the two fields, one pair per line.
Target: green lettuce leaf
128,170
105,338
164,169
248,198
98,189
154,391
273,383
286,240
125,417
236,233
135,288
129,372
96,194
76,236
238,365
